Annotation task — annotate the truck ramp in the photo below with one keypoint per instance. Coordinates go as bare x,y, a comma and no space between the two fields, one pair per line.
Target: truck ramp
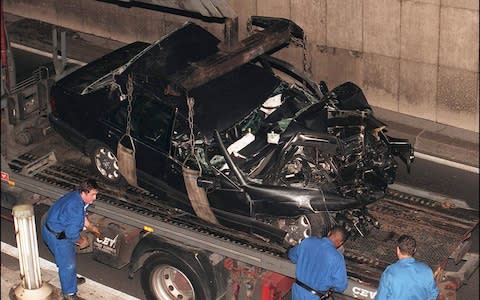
440,231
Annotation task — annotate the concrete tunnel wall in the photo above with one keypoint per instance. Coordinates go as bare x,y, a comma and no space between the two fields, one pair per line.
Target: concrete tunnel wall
418,57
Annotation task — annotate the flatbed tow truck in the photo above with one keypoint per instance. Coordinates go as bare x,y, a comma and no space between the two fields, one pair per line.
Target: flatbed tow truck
214,261
137,229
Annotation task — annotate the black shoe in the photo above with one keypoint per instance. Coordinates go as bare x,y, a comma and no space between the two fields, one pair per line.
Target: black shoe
80,280
71,297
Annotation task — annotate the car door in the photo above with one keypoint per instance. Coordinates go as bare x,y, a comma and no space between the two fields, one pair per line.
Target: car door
223,193
151,125
152,121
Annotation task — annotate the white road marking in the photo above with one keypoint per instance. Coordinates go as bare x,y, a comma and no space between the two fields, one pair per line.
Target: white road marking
446,162
90,284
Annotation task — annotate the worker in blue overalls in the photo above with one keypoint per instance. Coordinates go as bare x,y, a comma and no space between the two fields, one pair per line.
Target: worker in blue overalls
61,229
408,278
320,267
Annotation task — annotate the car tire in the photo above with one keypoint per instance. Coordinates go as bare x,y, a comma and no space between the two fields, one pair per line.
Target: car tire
317,224
166,276
104,162
320,223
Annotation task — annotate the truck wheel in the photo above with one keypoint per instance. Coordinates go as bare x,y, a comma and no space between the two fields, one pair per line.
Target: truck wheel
165,277
104,162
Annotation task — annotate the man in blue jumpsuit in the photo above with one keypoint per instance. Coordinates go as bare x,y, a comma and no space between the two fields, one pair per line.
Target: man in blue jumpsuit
319,266
61,231
407,278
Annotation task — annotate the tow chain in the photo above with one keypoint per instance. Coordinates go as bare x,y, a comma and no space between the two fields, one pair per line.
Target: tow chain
307,64
190,105
130,100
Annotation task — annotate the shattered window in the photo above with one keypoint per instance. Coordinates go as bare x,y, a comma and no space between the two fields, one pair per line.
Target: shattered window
151,120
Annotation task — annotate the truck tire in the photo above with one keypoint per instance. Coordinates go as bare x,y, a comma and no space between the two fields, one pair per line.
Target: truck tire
165,277
104,162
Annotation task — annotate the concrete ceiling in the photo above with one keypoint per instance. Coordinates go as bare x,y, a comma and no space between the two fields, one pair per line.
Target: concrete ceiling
207,8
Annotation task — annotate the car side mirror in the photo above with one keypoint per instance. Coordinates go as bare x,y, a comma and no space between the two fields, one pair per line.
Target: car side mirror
323,88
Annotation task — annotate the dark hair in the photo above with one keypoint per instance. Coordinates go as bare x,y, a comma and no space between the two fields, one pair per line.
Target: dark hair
339,231
407,245
87,185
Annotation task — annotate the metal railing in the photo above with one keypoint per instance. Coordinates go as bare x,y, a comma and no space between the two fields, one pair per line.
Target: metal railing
39,74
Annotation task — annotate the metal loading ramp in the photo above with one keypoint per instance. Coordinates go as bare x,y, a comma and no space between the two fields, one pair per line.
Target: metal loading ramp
439,230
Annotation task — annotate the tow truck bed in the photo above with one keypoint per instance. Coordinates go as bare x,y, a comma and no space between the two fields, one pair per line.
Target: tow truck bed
442,231
439,231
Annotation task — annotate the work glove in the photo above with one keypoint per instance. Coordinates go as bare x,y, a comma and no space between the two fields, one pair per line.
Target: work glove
96,231
83,242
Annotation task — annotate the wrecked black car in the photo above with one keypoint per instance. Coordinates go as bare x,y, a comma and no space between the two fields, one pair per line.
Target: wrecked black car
218,132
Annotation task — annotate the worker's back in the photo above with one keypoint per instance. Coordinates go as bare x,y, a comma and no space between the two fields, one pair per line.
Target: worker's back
319,265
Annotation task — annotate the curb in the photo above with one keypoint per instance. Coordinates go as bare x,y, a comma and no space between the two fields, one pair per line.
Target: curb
431,138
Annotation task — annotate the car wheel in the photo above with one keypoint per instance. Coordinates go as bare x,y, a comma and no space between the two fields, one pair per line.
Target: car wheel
320,223
165,277
307,225
104,162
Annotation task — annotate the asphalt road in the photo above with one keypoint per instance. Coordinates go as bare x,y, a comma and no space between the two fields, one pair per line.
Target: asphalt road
86,265
444,180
